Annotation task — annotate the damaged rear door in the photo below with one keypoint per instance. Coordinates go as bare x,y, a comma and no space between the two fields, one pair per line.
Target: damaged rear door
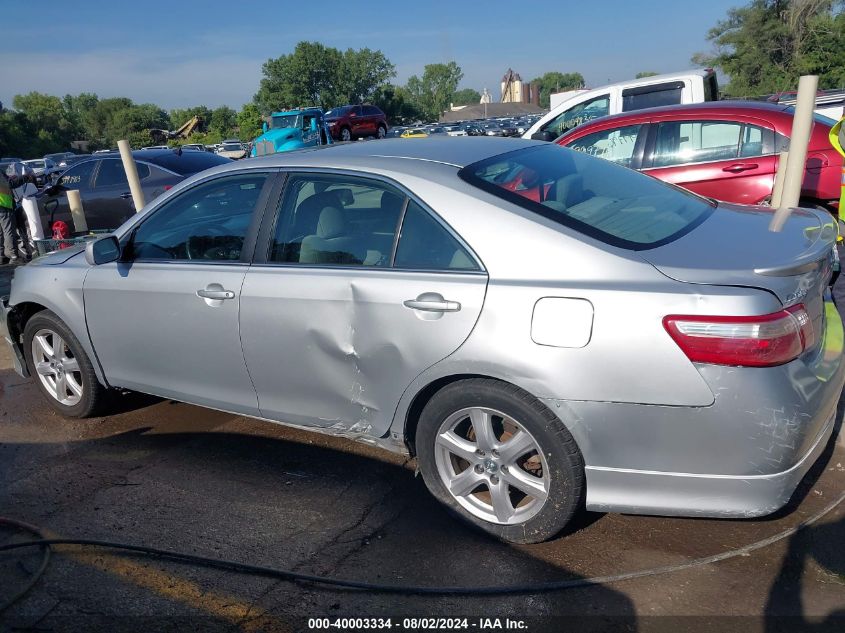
359,289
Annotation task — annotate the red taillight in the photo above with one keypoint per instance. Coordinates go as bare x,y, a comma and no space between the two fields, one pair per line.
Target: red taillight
750,341
168,187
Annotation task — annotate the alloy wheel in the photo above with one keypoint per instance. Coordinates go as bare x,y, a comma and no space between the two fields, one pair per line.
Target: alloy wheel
491,465
345,135
56,367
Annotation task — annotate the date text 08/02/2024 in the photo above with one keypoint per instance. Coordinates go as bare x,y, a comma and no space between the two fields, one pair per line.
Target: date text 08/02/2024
417,624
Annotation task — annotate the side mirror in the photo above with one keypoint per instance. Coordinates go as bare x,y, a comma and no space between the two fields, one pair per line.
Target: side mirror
314,125
543,135
102,250
264,126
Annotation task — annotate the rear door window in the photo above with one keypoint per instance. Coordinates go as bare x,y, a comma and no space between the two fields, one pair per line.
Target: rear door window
112,173
652,96
425,244
683,142
337,220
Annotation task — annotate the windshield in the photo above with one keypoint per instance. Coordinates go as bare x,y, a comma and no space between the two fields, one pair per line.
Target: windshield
611,203
285,121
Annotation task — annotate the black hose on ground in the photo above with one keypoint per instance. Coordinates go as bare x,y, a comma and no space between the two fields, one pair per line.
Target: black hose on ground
45,560
292,576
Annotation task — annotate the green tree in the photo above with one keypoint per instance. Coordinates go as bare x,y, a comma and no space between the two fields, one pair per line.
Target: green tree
361,74
45,122
554,81
397,105
306,77
249,122
135,122
766,45
223,120
467,96
318,75
645,73
433,93
15,135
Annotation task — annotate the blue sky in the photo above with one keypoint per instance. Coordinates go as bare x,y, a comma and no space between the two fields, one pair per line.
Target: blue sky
182,52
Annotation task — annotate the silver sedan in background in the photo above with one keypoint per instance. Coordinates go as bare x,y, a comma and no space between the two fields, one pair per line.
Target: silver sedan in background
543,330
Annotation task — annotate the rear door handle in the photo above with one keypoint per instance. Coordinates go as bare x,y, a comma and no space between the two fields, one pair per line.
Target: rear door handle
432,302
126,194
215,294
738,167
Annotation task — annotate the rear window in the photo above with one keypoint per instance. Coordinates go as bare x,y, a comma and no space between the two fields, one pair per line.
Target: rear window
596,197
652,96
189,162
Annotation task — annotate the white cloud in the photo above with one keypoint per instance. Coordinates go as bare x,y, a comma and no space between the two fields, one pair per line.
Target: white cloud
162,80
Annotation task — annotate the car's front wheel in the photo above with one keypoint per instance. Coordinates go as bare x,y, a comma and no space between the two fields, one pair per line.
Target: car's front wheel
382,132
500,459
346,134
62,370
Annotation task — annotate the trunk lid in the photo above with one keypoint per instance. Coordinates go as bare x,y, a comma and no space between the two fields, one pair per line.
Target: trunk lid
734,247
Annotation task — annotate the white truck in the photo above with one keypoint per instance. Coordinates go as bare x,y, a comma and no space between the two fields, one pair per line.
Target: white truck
692,86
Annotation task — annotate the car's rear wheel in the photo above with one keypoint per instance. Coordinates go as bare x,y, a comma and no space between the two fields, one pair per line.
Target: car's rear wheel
500,459
345,134
62,370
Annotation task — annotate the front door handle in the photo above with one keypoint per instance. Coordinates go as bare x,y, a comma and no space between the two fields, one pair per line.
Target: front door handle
738,167
218,295
432,302
126,195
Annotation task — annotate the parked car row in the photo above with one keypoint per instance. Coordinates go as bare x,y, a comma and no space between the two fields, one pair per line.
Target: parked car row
501,126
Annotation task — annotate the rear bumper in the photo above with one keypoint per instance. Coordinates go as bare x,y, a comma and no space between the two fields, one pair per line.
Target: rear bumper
688,494
17,354
742,456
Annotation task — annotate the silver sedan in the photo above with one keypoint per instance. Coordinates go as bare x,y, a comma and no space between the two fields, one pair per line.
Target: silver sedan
541,329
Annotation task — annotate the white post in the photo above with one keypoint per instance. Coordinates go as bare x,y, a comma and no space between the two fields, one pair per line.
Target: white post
802,125
131,174
33,218
74,201
777,189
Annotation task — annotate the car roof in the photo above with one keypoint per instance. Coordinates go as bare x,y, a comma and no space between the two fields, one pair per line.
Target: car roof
395,154
698,109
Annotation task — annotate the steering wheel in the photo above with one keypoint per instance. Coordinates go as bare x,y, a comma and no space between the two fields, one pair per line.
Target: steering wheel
195,250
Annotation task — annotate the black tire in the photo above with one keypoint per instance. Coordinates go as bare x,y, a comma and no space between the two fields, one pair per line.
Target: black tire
562,456
381,132
346,134
94,395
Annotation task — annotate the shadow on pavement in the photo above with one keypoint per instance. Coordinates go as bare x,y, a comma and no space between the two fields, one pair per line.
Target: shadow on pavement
277,503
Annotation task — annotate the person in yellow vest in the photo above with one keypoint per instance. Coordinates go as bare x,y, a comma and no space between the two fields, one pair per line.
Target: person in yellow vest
8,223
837,139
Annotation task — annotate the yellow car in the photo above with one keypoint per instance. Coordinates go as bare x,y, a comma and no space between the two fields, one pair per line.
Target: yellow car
416,132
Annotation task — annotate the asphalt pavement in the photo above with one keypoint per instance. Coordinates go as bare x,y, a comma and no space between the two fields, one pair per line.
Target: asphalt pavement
180,477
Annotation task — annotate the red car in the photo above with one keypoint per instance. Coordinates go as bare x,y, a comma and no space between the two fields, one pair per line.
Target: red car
727,150
355,121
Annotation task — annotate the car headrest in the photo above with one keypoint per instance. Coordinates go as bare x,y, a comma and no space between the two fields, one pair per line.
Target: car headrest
390,202
332,223
344,195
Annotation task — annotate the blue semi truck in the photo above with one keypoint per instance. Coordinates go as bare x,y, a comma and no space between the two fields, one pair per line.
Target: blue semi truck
292,130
